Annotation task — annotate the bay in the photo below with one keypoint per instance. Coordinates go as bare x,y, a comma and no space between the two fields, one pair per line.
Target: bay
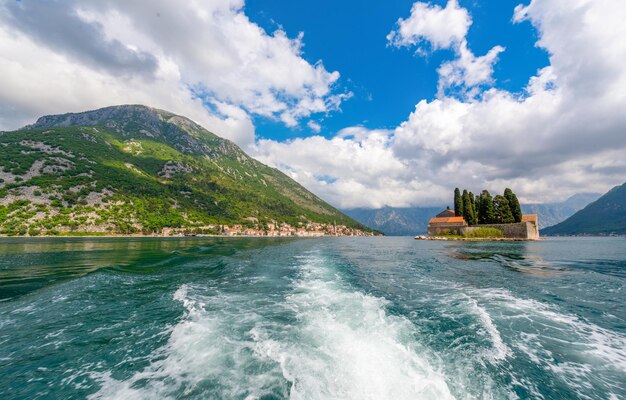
326,318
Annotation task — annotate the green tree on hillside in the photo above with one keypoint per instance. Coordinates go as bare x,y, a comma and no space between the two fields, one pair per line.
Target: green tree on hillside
458,203
502,210
516,209
486,213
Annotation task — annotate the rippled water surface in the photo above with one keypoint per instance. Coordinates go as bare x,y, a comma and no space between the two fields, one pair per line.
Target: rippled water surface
329,318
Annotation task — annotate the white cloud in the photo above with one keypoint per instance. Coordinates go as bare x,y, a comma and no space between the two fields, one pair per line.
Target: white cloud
314,126
467,72
38,81
446,28
357,168
565,134
441,27
164,54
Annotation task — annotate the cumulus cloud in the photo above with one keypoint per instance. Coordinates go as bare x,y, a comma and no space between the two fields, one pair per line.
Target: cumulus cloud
446,28
565,133
204,59
314,126
62,29
467,73
356,168
440,27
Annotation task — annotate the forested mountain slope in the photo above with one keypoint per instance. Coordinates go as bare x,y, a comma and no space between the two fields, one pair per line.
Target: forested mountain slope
132,168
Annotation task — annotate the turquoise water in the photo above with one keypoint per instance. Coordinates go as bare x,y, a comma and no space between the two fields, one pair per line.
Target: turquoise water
329,318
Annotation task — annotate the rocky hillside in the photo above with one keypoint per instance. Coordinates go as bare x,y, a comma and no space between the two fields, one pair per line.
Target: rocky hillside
605,216
129,169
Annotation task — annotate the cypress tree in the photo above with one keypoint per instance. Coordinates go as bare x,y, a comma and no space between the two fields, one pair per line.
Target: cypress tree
502,210
458,203
468,210
516,209
487,214
474,214
479,208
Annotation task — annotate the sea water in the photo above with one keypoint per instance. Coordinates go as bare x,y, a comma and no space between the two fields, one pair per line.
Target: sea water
327,318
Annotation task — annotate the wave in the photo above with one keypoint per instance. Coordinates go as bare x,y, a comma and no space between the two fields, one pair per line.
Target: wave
579,353
204,356
591,339
345,346
502,345
311,334
500,350
323,340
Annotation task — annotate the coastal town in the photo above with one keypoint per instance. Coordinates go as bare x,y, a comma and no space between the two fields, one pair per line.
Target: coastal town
273,229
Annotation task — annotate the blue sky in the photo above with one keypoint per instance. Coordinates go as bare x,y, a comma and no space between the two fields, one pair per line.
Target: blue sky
365,103
387,82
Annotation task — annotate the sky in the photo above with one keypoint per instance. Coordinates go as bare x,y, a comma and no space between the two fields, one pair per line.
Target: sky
366,103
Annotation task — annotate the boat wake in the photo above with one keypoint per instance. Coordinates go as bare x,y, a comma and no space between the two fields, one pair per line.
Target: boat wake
346,346
323,341
310,334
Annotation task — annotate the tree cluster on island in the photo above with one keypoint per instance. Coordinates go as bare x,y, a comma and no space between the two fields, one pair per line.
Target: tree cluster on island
485,209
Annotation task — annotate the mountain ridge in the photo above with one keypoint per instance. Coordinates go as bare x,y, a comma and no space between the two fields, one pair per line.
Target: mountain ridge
605,216
133,168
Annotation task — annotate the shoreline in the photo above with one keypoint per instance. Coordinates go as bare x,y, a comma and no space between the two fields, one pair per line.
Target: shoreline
464,239
113,236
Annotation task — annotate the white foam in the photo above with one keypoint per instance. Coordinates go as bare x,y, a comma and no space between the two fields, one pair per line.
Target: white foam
531,346
593,340
343,345
335,342
200,349
347,347
500,350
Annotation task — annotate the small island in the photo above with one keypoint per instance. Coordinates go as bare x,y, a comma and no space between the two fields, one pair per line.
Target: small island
483,217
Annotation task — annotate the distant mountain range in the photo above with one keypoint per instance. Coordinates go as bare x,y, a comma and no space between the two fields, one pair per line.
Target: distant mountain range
414,220
605,216
396,221
553,213
132,168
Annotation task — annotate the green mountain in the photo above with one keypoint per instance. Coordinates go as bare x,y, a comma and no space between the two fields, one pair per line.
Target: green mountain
605,216
132,168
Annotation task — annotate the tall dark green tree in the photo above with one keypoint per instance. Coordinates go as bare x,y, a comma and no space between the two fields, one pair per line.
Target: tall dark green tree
486,214
458,203
479,206
474,220
468,210
502,210
516,209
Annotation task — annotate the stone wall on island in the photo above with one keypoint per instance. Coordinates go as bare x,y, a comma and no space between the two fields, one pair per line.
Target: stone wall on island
448,229
520,230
